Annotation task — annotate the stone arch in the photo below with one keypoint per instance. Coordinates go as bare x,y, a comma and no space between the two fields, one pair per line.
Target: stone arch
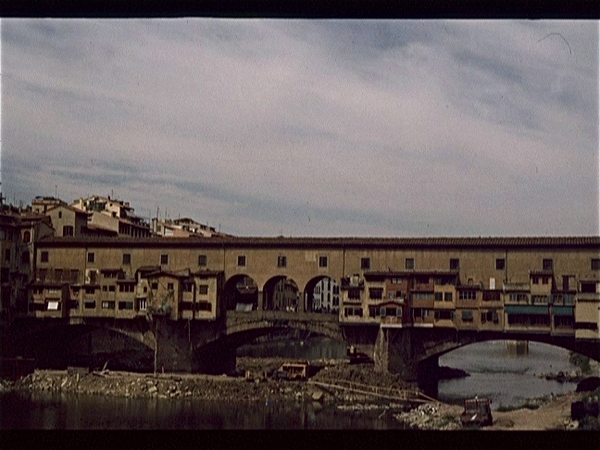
309,296
589,349
58,345
280,293
240,292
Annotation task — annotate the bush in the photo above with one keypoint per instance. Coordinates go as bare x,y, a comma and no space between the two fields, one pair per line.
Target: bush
583,362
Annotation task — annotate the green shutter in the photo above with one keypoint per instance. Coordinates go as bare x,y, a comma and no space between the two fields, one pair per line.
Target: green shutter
526,309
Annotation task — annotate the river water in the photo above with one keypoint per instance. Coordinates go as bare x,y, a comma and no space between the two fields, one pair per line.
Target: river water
506,378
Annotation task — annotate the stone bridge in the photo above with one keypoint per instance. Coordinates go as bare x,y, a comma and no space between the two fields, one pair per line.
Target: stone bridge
210,347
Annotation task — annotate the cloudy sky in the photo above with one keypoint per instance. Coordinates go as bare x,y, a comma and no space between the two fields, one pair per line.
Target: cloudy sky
310,128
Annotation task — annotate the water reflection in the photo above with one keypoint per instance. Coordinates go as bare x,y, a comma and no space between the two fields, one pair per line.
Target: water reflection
54,411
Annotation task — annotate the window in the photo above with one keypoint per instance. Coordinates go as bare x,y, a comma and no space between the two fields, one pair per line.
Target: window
126,287
142,304
443,315
365,263
202,260
409,263
90,290
104,288
203,306
170,286
25,257
535,280
490,316
454,263
354,294
447,296
323,262
164,259
73,304
89,304
60,214
438,296
241,260
203,289
53,306
68,230
74,275
376,293
187,287
112,288
125,305
127,258
353,312
422,296
595,264
547,264
155,285
26,237
588,287
545,280
281,261
491,295
397,280
7,255
500,263
422,280
518,298
467,316
467,295
90,257
44,257
108,305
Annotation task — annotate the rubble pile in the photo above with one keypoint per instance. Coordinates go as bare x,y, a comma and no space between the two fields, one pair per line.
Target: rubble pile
430,416
162,386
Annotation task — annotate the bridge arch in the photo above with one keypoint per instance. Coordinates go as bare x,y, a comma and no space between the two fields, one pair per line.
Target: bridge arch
61,344
441,347
280,293
240,292
322,294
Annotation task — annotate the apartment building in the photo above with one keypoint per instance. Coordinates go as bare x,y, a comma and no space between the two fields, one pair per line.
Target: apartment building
112,216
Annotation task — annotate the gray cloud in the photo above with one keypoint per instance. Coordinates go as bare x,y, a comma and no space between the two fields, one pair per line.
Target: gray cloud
365,127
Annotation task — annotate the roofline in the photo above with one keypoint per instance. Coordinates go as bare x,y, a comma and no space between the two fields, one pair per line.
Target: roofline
322,242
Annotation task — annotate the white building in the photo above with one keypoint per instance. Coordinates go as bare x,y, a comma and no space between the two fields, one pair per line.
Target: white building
326,296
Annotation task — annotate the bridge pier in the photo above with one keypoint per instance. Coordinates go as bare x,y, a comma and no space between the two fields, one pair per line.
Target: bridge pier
400,351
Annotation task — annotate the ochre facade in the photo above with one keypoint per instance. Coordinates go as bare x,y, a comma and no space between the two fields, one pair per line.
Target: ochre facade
545,285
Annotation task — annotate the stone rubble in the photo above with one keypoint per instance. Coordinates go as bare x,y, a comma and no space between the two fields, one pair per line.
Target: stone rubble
430,416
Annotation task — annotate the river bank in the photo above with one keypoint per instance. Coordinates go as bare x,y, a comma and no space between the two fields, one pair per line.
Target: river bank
548,413
209,387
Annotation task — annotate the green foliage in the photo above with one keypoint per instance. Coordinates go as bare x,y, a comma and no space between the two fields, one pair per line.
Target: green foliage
583,362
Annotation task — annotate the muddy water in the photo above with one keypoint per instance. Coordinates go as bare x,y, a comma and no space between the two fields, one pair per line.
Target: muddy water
47,411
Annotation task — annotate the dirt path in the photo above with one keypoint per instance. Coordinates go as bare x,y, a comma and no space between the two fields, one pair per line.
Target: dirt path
550,416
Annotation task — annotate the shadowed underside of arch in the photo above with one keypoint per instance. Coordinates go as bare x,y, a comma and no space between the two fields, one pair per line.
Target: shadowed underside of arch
453,340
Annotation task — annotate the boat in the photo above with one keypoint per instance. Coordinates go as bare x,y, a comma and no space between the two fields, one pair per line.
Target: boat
477,413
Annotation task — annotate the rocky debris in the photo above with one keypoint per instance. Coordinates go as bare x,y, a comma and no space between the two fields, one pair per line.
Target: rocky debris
573,376
431,416
5,386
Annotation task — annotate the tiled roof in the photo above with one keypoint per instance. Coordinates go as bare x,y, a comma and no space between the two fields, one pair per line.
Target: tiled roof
347,242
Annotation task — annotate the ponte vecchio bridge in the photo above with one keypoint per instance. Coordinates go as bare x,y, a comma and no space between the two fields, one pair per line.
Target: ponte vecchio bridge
404,301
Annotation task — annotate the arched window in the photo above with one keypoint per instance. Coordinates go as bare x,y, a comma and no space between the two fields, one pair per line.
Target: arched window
26,236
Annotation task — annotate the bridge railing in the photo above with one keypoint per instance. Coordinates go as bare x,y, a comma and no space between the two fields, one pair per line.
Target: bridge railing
282,315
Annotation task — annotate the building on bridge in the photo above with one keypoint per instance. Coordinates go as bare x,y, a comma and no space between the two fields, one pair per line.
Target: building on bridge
19,231
537,285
